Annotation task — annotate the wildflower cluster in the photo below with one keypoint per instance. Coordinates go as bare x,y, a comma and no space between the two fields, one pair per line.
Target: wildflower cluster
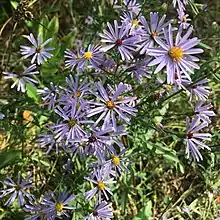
92,117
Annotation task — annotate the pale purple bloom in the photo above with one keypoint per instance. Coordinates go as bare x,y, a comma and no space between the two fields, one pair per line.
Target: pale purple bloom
152,32
183,19
17,190
194,139
132,6
117,38
100,179
130,20
70,127
48,140
186,210
107,66
35,207
117,162
200,91
72,59
76,88
55,207
102,212
203,112
38,51
139,69
49,95
109,106
2,116
177,56
20,79
180,4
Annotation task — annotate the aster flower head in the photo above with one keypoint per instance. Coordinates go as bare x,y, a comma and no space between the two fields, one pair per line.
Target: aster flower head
134,23
48,140
177,55
183,19
57,206
76,88
17,190
194,138
20,79
72,59
103,211
152,31
180,4
109,106
101,180
198,90
70,126
117,162
117,38
38,50
132,6
203,112
49,95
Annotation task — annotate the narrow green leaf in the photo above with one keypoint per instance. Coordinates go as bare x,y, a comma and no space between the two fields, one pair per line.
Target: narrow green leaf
9,157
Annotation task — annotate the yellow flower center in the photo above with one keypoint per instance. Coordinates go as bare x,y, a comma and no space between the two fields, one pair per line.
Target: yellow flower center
59,207
101,185
88,55
78,93
135,22
110,104
176,53
115,160
72,123
168,87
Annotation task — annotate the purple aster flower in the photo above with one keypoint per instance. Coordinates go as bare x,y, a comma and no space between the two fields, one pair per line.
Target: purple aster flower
180,4
17,190
203,112
71,125
183,19
20,79
76,89
38,51
55,207
117,38
107,66
117,162
200,91
48,140
109,105
134,23
139,69
194,139
102,212
93,55
176,56
49,95
35,207
132,6
72,59
151,32
101,180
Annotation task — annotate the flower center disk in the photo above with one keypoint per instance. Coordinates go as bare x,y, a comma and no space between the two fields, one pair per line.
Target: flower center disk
72,123
115,160
118,42
110,104
88,55
101,185
176,53
59,207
